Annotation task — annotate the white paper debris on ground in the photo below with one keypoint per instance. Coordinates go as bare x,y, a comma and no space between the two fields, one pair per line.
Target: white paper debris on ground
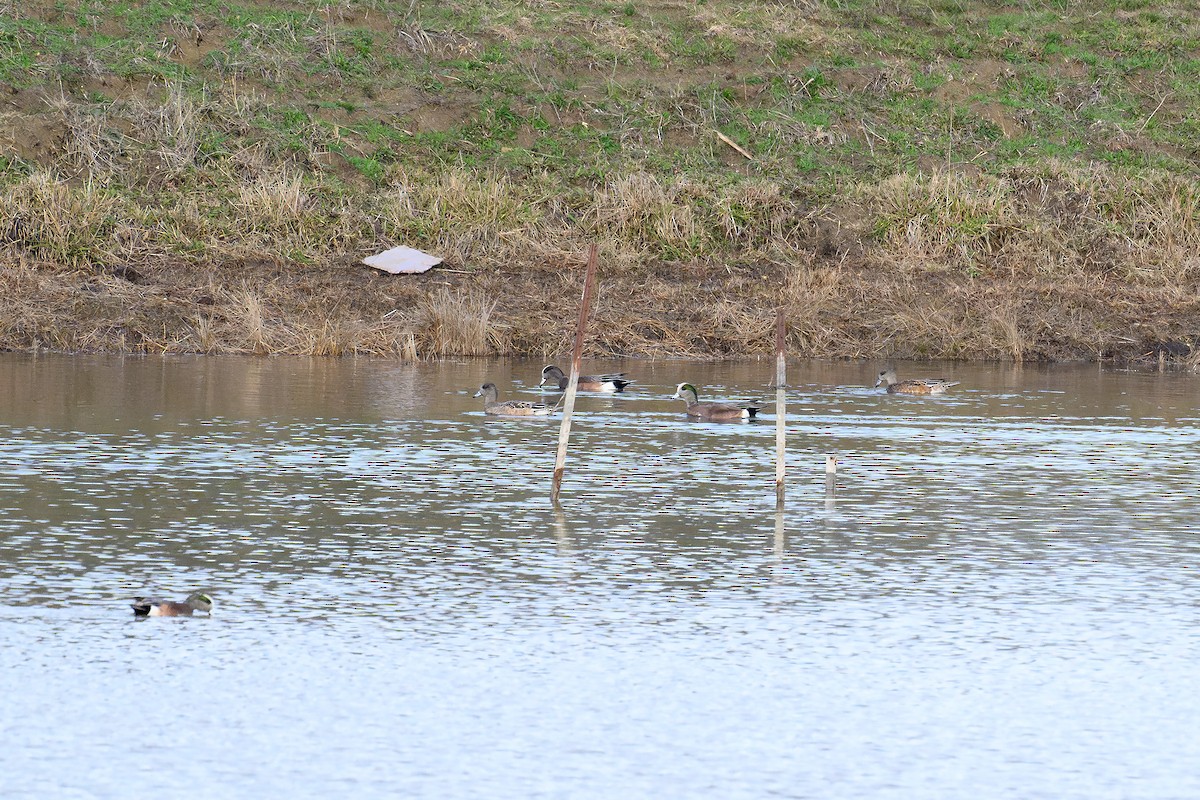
402,259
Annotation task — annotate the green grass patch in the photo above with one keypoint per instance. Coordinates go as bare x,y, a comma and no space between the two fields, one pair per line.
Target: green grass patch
585,96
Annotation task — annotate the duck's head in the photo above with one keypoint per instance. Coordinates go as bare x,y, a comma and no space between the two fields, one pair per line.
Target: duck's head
487,389
686,392
551,373
886,377
200,602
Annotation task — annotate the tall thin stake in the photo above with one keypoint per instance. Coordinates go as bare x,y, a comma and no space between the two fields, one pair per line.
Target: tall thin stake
780,407
564,433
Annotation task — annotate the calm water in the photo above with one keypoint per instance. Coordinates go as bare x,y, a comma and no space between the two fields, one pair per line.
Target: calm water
1001,601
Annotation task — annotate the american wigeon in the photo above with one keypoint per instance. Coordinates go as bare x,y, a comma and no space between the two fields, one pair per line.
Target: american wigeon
509,408
913,385
611,382
713,411
154,607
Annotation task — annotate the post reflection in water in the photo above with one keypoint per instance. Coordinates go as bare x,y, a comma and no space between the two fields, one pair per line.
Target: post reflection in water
994,596
780,534
830,481
561,535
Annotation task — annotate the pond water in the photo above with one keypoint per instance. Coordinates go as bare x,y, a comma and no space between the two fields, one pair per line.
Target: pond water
1000,600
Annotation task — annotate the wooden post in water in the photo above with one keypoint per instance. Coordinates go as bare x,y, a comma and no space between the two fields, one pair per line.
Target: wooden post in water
830,477
564,432
780,407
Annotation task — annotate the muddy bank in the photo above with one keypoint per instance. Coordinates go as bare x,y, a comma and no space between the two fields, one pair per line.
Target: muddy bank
836,309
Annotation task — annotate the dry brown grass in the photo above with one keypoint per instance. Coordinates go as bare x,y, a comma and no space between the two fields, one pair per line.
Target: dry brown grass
248,313
811,297
702,310
274,205
169,128
450,324
762,24
1006,326
1191,361
46,217
244,321
1025,265
1160,219
1058,221
469,218
642,213
203,336
941,215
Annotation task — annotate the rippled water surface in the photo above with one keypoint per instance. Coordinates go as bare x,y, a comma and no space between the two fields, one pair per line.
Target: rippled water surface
1001,601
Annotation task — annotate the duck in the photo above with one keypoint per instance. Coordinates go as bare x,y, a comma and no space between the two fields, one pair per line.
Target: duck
610,382
155,607
713,411
913,385
509,408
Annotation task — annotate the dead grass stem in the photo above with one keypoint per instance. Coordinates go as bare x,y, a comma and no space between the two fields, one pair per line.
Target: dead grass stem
450,324
50,219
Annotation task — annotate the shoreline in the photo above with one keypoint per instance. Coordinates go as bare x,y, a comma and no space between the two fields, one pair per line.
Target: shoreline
712,312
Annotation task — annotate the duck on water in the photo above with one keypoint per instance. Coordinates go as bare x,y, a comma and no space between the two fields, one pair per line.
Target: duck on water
610,382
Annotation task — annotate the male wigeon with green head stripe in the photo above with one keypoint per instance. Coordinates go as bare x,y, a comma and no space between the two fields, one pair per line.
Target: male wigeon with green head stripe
715,412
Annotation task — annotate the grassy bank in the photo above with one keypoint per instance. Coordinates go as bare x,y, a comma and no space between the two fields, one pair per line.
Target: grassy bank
955,180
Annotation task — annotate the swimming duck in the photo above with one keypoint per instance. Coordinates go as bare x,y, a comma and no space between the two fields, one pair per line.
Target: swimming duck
610,382
509,408
154,607
713,411
912,385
